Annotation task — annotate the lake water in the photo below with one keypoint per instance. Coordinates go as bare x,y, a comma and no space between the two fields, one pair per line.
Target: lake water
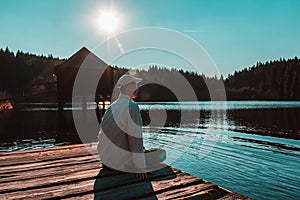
248,147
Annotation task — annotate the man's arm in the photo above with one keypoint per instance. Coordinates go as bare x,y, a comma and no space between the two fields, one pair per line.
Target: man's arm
135,138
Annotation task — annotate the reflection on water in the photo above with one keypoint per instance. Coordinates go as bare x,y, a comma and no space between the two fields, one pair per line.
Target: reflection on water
26,144
232,144
34,129
279,122
228,105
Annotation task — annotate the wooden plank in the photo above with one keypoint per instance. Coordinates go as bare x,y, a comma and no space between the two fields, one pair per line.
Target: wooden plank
182,189
41,182
45,164
47,149
48,171
50,192
48,155
234,196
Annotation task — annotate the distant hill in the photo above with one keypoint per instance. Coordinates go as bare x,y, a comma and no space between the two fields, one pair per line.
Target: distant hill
274,80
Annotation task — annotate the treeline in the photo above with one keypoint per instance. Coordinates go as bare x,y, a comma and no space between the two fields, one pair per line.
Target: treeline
24,73
28,74
172,85
273,80
163,84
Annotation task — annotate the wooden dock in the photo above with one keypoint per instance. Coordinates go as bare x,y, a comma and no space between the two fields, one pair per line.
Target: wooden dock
72,172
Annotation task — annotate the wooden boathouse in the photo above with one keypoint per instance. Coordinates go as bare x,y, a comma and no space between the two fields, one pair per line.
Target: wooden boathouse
66,73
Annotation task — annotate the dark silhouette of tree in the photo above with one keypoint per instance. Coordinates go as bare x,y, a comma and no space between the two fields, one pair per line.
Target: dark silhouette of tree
26,72
273,80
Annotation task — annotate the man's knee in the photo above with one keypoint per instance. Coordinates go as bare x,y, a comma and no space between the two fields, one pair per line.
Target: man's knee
155,155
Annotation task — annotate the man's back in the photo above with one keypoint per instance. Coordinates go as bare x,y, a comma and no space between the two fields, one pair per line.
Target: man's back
121,134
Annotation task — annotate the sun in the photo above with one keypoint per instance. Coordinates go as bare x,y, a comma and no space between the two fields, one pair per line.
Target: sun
109,21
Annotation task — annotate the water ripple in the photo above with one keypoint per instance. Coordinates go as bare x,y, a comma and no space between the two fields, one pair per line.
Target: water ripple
240,162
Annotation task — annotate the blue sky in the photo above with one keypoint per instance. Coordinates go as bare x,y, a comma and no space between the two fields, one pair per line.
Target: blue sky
235,33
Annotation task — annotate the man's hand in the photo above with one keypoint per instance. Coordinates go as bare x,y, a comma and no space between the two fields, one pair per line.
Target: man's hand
142,176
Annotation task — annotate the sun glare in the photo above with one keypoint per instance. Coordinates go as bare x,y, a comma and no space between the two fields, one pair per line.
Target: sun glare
109,21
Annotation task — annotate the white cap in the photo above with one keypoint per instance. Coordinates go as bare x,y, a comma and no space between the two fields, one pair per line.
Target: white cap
127,79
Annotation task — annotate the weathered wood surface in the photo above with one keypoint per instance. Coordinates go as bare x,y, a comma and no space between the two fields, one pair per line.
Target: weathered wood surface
73,172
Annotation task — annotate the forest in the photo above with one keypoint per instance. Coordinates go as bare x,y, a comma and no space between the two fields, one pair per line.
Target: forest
27,75
273,80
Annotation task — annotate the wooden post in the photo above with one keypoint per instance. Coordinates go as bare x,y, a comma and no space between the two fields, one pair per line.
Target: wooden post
61,103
